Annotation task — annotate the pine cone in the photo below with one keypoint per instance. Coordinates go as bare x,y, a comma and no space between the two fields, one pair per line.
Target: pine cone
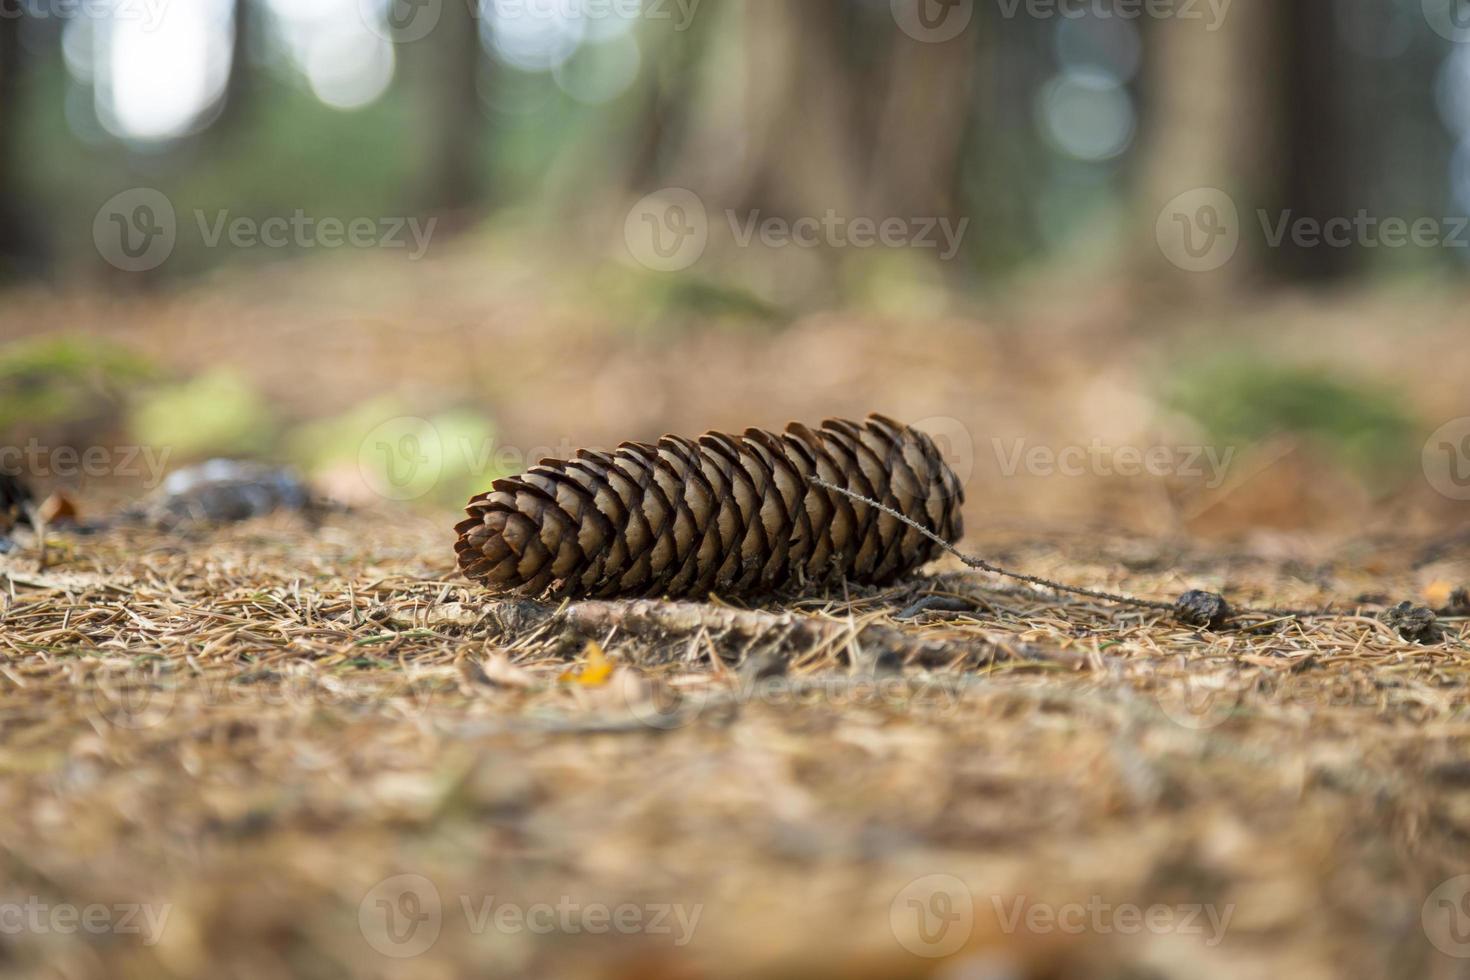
733,515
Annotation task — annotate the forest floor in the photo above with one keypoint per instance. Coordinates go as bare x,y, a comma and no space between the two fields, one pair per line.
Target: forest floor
307,748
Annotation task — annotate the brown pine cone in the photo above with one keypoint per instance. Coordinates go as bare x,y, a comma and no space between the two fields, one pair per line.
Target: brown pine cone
733,515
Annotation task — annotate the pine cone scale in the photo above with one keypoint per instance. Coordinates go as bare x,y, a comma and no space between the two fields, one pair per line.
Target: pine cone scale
735,515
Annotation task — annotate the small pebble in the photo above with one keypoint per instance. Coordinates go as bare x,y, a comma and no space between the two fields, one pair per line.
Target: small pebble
224,491
1206,610
1417,624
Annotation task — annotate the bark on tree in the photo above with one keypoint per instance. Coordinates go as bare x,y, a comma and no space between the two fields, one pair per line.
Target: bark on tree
444,69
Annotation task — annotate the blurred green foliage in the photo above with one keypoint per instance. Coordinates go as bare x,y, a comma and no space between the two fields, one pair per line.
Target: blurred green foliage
457,450
61,379
216,413
1246,399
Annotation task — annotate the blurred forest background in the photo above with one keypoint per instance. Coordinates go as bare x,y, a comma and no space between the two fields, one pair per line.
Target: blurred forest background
521,135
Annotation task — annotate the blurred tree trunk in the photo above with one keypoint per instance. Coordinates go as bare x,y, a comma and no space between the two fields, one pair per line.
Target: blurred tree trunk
1315,171
1256,109
924,116
238,97
22,246
775,124
1206,107
801,110
444,71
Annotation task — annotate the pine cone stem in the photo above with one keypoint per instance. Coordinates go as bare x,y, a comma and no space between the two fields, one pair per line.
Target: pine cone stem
730,515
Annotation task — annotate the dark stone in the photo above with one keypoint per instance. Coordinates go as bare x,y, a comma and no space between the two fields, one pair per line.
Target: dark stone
1417,624
1205,610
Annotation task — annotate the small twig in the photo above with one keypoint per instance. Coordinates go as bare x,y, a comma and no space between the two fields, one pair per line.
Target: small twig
982,565
985,566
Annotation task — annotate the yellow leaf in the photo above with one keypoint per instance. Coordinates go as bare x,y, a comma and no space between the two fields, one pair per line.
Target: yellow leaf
595,669
1438,593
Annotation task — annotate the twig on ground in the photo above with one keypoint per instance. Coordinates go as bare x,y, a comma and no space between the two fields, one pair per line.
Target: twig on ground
981,564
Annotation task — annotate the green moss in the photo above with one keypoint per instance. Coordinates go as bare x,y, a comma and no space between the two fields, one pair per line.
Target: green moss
1244,399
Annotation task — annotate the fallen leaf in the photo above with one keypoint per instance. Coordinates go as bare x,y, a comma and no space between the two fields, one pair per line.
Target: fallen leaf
58,509
594,670
1437,593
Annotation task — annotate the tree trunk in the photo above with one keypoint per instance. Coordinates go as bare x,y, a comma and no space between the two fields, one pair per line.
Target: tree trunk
445,70
23,250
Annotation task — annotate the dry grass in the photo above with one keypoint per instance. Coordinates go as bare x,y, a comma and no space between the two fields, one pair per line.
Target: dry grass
253,728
